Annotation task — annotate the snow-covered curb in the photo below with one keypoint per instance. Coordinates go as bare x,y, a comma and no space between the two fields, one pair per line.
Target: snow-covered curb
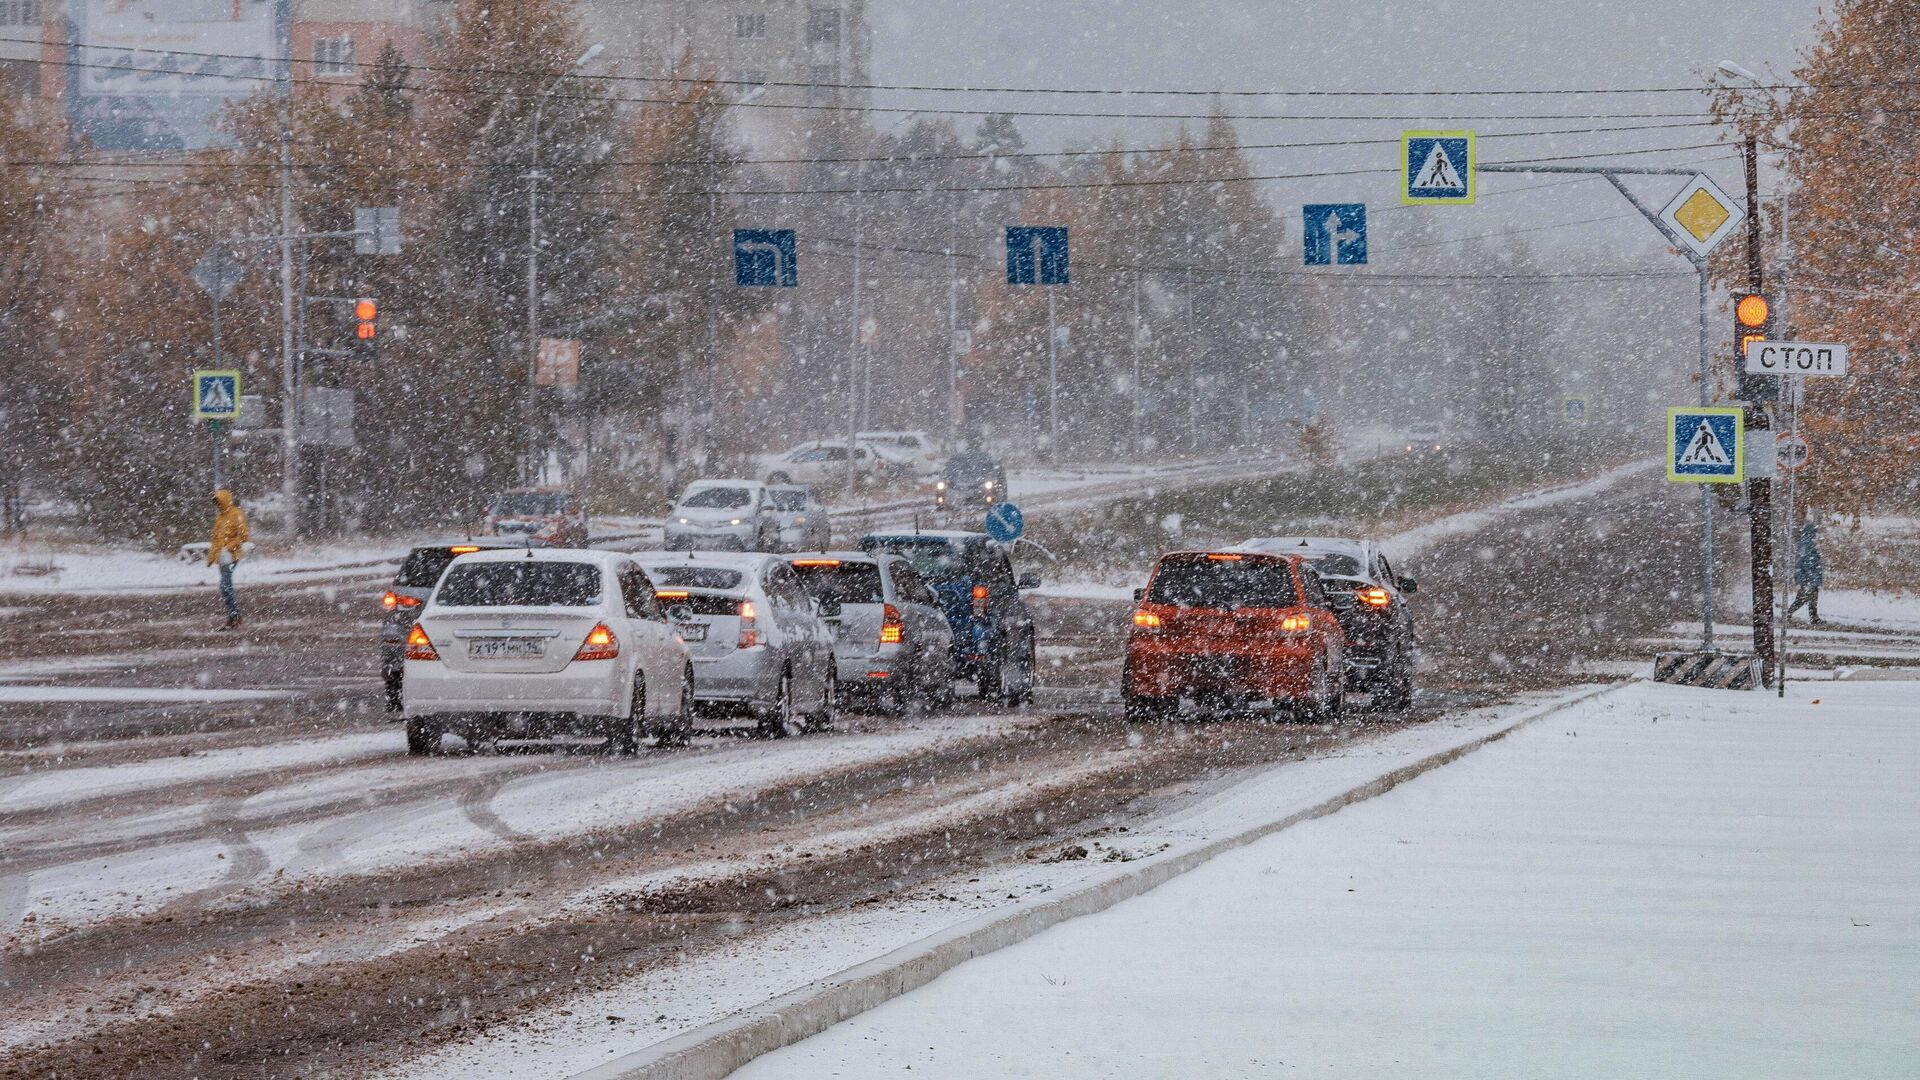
722,1047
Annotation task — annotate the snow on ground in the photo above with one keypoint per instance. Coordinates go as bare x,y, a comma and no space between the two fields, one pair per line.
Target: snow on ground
36,789
157,694
1412,542
575,1034
1663,881
1881,610
35,568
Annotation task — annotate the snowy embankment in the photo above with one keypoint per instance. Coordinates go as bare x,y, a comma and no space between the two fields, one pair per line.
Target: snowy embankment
1661,881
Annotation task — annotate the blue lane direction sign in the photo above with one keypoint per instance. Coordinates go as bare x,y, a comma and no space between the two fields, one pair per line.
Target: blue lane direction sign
1036,255
1437,166
1334,233
1005,522
1574,410
1706,445
765,257
216,395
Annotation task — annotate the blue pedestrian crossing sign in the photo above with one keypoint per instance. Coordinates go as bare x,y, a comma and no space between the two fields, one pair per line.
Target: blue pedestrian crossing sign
216,395
765,257
1036,255
1437,167
1334,234
1706,445
1005,522
1574,410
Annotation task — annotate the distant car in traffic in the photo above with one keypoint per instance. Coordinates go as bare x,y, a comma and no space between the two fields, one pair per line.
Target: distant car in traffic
971,480
552,516
736,514
993,632
917,449
760,648
892,643
1231,629
541,642
412,583
1426,439
1371,601
804,524
824,464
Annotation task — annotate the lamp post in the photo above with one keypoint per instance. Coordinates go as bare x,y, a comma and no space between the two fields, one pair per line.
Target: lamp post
529,470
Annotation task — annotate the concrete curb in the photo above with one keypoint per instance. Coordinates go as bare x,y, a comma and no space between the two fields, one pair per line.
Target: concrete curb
721,1047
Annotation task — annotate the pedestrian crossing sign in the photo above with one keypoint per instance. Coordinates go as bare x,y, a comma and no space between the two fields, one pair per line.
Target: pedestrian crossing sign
1437,167
216,395
1706,445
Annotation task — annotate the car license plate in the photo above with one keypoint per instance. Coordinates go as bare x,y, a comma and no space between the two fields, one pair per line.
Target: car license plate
693,631
1218,669
508,648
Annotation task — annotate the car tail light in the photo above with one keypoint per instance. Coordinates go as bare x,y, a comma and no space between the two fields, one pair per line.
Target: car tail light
1146,620
1373,596
979,601
1219,556
671,594
892,630
749,630
599,645
419,646
391,600
1296,623
463,549
816,563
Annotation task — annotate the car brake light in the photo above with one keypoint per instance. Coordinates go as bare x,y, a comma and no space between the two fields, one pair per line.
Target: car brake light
1374,596
1148,620
391,600
892,630
749,632
463,549
670,594
815,563
1296,623
979,601
1222,557
419,646
599,645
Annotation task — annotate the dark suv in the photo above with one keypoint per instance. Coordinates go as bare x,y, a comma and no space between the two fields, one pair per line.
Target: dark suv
419,572
992,628
1371,601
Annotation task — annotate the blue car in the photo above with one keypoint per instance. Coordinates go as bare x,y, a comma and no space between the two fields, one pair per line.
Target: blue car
973,578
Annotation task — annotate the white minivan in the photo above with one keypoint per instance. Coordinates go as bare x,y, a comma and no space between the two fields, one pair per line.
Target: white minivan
544,641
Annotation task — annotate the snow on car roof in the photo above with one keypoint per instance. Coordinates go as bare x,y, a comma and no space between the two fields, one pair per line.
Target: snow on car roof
936,534
1301,545
702,485
543,554
731,560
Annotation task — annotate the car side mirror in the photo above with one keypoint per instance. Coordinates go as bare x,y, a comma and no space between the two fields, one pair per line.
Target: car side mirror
1029,580
1340,601
1409,586
1139,594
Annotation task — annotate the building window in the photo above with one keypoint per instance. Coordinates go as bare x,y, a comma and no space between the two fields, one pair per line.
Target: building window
333,56
823,81
750,24
748,82
823,26
19,12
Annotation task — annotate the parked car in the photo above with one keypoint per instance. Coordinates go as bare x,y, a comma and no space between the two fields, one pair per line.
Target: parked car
972,480
917,449
993,634
400,605
824,464
802,518
1426,439
733,514
541,642
1229,629
550,515
1371,601
759,646
892,644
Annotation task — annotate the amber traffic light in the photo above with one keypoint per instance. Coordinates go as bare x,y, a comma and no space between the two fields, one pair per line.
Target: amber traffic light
1752,320
367,313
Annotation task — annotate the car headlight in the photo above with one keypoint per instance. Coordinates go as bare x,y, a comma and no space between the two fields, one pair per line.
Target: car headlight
989,485
735,521
683,521
940,485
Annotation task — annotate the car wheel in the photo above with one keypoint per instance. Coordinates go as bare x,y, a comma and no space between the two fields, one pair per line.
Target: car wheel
1396,691
1149,710
1326,690
423,736
779,478
777,721
677,730
394,681
630,729
829,702
1032,680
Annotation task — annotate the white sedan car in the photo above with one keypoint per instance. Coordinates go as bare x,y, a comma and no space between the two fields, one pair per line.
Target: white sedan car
545,641
824,464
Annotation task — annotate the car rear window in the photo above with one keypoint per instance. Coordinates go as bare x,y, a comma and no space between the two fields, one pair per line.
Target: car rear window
720,498
679,608
848,583
694,577
537,503
1337,565
521,583
934,558
422,568
1223,583
788,500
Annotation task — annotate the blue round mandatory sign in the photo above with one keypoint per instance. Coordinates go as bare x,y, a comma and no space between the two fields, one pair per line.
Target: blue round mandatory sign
1005,522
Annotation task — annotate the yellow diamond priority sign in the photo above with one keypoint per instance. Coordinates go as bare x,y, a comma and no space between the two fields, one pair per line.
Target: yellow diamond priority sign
1702,215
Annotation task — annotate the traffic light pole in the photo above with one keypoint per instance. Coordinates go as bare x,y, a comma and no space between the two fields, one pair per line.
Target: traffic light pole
1759,488
1613,175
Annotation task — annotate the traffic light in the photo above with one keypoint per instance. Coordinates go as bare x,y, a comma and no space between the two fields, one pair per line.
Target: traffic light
1752,321
366,313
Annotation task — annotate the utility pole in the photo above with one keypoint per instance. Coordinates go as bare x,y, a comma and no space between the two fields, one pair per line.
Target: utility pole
1759,488
853,336
1139,414
954,407
1053,383
289,361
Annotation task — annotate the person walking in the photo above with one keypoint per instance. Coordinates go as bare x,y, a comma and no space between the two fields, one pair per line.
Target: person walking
1809,573
228,548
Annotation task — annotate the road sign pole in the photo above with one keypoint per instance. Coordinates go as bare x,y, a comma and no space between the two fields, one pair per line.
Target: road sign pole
1706,493
1053,384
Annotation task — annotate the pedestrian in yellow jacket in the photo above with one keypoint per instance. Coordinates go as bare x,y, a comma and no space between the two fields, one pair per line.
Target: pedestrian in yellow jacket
228,548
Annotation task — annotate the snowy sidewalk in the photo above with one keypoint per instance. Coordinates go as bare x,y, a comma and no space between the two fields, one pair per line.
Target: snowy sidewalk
1659,882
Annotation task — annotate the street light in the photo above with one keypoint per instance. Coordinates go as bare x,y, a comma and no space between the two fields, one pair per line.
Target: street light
533,257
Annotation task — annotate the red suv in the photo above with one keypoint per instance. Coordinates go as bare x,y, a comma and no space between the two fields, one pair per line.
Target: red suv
1231,628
